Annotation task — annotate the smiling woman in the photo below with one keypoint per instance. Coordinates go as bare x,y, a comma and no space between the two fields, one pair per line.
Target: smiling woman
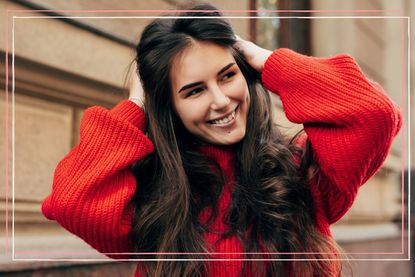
193,167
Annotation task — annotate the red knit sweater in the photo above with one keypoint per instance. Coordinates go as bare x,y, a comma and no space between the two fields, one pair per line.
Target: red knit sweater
348,119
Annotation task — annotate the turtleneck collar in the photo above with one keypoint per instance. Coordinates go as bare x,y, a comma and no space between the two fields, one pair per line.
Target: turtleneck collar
222,154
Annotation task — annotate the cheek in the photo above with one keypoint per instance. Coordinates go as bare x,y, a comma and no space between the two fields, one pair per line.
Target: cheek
192,113
238,89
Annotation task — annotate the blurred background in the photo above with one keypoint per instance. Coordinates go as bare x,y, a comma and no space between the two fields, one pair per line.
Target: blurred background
65,62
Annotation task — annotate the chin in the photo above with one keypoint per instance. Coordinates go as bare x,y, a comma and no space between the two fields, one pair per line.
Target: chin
232,139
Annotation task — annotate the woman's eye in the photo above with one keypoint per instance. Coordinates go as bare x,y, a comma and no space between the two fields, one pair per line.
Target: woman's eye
227,76
194,92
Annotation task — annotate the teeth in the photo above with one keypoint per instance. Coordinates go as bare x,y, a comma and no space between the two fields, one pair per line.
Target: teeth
225,119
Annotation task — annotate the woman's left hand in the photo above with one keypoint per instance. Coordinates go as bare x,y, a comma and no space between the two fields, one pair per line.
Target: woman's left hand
254,55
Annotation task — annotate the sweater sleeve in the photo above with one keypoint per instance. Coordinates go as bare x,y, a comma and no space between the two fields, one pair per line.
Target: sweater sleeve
93,185
348,119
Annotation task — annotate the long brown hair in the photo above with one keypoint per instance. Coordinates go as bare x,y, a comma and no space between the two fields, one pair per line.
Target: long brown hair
175,183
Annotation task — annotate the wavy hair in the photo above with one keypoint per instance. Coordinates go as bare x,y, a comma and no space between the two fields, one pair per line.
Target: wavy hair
271,197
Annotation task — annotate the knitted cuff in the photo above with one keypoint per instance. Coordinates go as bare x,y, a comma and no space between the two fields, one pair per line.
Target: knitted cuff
131,112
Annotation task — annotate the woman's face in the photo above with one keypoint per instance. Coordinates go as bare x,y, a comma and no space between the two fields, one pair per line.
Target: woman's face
210,93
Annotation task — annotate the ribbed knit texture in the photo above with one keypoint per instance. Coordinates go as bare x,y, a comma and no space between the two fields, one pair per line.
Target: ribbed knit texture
348,119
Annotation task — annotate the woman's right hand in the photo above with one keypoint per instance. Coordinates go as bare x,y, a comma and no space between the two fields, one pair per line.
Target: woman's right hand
136,91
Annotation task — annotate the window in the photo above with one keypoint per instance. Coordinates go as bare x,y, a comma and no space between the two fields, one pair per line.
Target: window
277,32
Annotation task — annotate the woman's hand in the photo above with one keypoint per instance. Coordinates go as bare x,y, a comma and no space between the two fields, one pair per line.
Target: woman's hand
254,55
136,90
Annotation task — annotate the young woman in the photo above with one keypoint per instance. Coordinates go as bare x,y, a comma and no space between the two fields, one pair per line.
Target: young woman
193,166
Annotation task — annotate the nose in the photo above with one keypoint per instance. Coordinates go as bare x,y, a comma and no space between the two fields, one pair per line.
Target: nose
219,99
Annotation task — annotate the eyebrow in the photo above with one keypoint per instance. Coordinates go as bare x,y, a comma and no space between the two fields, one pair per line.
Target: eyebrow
199,83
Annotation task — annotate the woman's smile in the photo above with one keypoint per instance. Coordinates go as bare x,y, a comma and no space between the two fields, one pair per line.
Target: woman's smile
225,121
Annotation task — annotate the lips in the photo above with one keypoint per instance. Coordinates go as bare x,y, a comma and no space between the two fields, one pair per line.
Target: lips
224,119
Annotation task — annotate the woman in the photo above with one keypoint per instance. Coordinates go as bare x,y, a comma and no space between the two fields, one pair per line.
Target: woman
210,176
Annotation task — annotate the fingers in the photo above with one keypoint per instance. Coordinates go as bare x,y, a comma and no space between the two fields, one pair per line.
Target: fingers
238,38
253,54
136,91
239,43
